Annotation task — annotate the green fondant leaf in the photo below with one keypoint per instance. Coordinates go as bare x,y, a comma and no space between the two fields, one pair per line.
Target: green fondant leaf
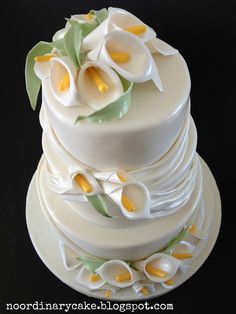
174,242
59,44
115,110
98,203
91,263
82,57
85,27
72,21
101,15
32,82
72,43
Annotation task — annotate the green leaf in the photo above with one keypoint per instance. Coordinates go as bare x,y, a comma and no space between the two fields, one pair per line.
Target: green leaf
59,44
101,15
91,263
174,242
86,27
72,43
115,110
32,82
99,204
82,57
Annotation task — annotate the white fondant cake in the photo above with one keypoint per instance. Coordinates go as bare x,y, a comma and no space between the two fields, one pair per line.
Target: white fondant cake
120,178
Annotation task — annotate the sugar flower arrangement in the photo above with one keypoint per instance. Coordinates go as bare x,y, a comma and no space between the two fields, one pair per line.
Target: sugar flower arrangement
94,61
167,267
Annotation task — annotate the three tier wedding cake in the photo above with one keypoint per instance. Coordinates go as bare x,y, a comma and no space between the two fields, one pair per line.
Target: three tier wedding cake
119,181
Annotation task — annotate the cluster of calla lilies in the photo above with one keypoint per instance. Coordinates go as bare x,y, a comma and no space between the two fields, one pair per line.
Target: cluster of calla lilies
121,46
167,268
132,197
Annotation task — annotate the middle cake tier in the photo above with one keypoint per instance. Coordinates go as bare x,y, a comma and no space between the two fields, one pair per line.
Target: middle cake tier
174,183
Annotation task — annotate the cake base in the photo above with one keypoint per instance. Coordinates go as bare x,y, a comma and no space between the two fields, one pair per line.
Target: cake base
41,231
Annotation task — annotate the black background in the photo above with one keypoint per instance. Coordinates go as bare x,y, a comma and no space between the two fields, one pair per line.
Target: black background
204,33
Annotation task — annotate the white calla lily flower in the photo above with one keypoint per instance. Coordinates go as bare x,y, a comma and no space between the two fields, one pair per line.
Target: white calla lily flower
183,251
144,288
197,232
129,56
118,273
62,81
158,267
107,290
157,45
83,18
95,38
133,198
85,183
118,176
69,257
89,279
177,278
42,69
61,33
99,85
76,184
120,19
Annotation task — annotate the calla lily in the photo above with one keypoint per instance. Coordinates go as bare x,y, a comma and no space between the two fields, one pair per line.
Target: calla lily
89,279
75,184
118,273
81,18
129,56
95,38
158,267
198,233
69,257
177,278
99,85
144,288
107,290
61,33
199,228
85,183
118,176
62,81
133,198
184,250
157,45
42,65
120,19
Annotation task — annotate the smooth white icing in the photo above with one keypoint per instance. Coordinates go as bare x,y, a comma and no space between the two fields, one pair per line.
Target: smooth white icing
141,137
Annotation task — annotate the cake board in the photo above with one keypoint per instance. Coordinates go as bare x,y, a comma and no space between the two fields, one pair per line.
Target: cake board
42,231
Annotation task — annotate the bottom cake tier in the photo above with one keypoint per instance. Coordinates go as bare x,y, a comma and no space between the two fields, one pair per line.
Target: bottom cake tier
123,273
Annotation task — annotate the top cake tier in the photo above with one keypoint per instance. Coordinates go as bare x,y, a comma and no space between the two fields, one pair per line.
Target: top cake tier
116,96
140,137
